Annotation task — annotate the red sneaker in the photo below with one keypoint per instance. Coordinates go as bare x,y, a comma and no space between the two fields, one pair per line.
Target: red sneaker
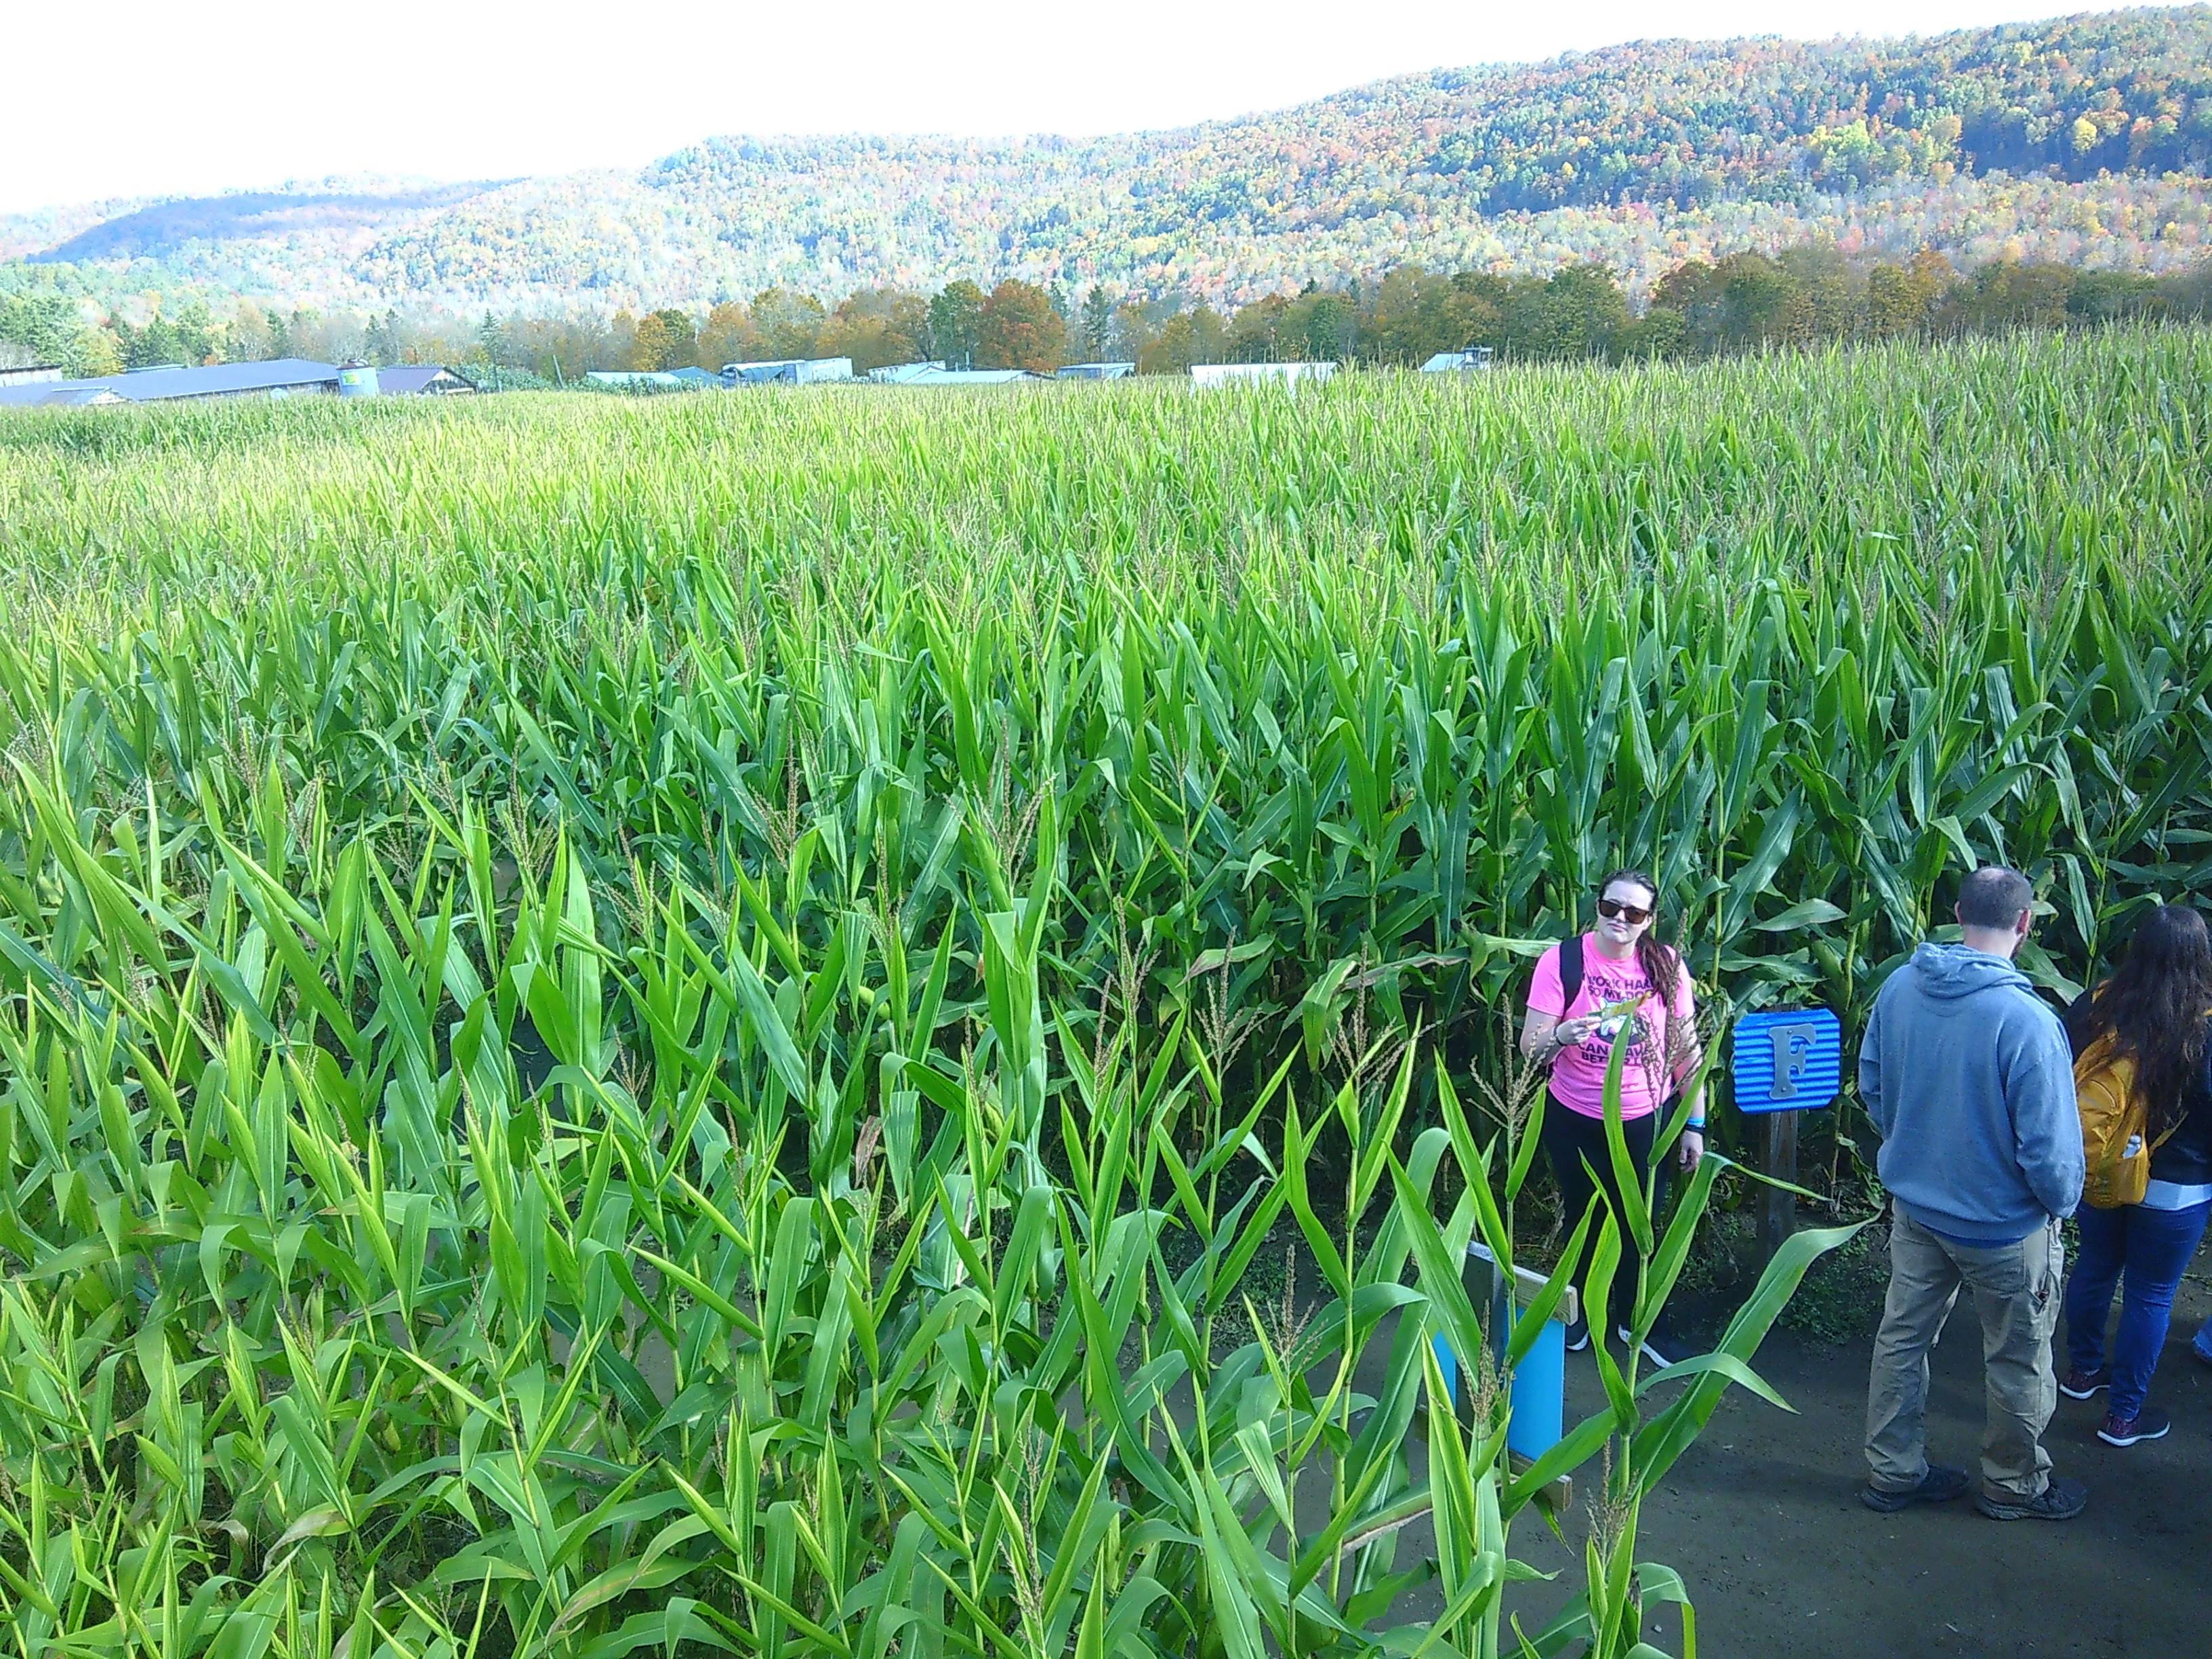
2148,1423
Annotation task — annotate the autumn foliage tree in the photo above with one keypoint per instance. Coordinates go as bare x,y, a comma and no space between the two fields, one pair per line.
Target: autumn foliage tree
1900,299
877,327
1744,302
1416,314
1200,335
789,324
666,340
728,335
1021,330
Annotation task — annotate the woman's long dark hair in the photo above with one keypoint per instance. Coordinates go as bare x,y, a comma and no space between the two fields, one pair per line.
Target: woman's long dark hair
2153,1008
1662,963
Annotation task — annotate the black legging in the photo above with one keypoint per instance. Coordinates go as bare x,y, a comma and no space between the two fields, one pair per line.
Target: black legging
1569,1138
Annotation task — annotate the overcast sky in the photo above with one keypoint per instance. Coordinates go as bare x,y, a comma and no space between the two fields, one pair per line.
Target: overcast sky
133,97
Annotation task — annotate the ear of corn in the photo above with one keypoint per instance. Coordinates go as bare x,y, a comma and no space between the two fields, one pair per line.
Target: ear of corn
638,1026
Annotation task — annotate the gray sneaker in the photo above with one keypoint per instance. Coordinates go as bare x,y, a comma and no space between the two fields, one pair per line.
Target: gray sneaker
2062,1500
1939,1486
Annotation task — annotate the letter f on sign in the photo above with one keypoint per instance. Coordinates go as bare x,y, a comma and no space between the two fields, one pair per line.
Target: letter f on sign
1793,1052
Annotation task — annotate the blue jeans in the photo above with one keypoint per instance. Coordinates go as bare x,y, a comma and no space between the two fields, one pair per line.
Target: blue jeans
2144,1251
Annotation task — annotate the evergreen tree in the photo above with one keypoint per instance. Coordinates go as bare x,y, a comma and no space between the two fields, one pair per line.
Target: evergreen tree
380,345
1097,325
153,345
44,327
956,324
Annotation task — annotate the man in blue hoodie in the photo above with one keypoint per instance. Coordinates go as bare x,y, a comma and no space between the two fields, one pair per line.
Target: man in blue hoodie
1967,1075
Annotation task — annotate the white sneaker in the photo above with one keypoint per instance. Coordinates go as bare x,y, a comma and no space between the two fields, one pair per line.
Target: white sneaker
1628,1337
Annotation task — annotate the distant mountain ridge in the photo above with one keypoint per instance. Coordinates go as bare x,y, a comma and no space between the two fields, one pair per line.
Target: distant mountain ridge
167,227
2086,139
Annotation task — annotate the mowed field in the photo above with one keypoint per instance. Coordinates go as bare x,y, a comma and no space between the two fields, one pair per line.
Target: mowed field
634,1024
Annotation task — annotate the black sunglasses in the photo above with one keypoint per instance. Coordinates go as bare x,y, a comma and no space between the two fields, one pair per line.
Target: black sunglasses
1634,914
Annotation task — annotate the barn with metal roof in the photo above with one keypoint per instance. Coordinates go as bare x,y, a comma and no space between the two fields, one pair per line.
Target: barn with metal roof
282,377
969,377
54,394
787,370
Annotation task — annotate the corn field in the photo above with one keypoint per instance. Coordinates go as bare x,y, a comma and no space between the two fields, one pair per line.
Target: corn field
679,1025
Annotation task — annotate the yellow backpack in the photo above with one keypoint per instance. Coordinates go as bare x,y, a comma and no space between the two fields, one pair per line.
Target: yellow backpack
2114,1120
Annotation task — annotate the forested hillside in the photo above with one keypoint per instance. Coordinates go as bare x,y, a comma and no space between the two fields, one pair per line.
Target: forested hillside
2086,140
2060,136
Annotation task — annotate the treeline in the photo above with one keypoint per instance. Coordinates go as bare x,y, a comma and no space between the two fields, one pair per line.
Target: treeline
51,328
1806,295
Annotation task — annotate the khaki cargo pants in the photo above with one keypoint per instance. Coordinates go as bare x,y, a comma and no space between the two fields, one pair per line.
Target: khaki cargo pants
2016,1290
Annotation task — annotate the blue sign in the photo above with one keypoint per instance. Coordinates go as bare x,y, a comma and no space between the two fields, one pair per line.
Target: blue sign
1787,1060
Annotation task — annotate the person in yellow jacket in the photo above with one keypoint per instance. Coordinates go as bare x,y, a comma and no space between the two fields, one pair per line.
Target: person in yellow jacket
2154,1010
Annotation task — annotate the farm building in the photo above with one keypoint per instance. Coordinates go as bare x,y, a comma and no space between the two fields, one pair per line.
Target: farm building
421,380
1209,374
284,377
54,394
29,374
788,370
1474,358
904,374
969,377
1095,371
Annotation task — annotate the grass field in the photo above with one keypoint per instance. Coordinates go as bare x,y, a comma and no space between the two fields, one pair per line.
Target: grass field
615,1010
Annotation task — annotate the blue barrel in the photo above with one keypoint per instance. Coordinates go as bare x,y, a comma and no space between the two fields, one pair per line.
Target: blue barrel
357,380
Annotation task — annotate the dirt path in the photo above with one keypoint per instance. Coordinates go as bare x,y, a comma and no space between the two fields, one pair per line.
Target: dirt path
1762,1517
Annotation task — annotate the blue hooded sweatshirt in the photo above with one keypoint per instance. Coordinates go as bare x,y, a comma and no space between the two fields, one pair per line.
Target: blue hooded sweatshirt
1967,1074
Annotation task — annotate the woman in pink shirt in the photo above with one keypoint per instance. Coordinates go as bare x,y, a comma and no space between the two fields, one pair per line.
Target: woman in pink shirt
1567,1028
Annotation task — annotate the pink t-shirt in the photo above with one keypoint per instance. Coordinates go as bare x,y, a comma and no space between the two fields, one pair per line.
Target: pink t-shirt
1578,1073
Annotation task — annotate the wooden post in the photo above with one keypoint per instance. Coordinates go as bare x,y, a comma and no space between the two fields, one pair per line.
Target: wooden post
1777,1214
